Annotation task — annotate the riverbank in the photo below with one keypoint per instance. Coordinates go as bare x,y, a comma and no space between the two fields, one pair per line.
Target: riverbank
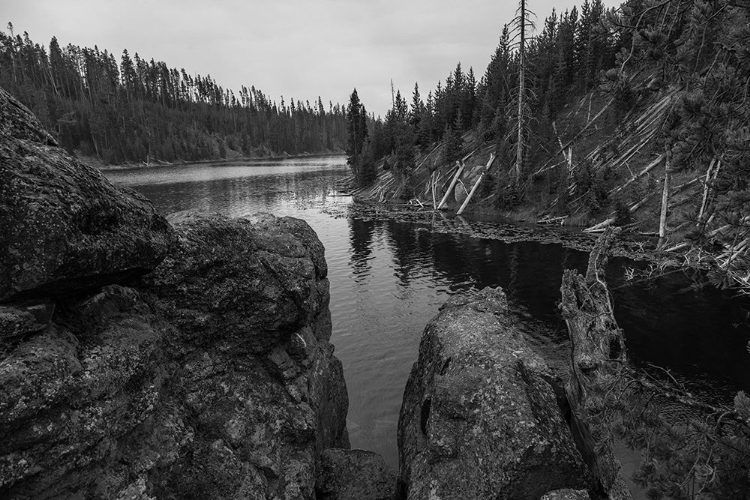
721,265
96,163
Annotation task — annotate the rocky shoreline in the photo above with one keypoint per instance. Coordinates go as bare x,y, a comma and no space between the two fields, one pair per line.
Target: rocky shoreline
144,357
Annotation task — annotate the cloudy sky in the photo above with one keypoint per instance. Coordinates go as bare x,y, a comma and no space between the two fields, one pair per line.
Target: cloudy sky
292,48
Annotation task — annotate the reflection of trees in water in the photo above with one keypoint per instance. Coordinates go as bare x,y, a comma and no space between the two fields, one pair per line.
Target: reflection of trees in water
696,332
405,249
530,273
361,238
238,196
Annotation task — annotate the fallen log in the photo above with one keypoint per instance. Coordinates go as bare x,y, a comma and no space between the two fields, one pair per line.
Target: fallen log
706,187
643,172
580,132
598,356
476,185
601,226
665,198
552,220
460,170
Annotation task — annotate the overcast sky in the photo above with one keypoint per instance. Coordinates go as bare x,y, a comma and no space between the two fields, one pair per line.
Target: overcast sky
292,48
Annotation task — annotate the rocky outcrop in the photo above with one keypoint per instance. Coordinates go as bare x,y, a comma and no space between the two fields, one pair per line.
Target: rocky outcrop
206,375
249,302
354,475
191,385
482,415
64,228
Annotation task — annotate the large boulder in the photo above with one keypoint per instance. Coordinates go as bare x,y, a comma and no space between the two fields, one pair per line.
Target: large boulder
64,228
214,378
249,300
245,282
482,415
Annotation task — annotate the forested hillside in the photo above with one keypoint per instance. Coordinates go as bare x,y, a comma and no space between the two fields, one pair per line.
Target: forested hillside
637,116
133,110
563,60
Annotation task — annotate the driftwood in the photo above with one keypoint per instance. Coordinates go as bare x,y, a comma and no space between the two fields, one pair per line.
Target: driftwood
704,203
552,220
580,132
665,198
639,174
600,226
452,185
476,185
598,355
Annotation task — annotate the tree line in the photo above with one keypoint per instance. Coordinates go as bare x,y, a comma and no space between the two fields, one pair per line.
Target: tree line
139,110
628,55
564,59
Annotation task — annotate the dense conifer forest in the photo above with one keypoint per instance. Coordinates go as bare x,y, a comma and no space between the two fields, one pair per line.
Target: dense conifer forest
631,115
133,110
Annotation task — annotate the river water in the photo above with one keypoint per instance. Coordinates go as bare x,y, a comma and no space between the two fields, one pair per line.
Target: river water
389,275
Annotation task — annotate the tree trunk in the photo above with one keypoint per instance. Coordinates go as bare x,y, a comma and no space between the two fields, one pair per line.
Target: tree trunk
597,357
521,91
476,185
665,197
452,185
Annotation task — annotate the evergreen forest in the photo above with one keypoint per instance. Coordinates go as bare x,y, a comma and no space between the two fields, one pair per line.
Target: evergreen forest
134,110
595,115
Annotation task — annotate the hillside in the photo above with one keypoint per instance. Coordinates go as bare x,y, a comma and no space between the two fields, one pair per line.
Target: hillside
637,116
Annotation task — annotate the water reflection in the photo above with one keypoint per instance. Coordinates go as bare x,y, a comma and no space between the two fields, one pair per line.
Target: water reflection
388,278
285,187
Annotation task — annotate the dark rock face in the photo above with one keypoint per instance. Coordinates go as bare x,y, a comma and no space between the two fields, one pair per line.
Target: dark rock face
480,416
256,372
71,395
64,228
198,399
176,390
354,475
211,377
244,283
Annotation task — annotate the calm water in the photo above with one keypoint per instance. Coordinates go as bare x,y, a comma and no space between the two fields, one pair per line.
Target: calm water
388,278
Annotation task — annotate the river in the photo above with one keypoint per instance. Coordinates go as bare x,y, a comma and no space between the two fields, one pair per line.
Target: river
389,275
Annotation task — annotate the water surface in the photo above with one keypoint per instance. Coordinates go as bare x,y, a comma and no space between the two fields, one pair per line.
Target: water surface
389,276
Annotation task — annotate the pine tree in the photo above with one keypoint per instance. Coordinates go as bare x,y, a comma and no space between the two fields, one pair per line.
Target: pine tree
356,118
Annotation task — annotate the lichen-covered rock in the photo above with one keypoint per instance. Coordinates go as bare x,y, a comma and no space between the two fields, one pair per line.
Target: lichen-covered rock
246,283
63,226
480,416
249,299
213,379
28,317
70,395
354,475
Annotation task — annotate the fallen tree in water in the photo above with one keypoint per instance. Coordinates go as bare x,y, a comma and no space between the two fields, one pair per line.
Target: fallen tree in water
690,449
